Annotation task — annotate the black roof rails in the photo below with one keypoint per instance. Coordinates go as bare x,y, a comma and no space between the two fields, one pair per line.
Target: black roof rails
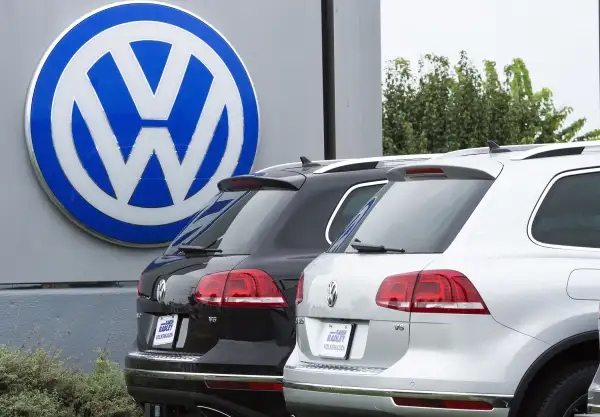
495,148
306,163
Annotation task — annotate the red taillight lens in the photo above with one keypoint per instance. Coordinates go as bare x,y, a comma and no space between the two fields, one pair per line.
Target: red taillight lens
210,288
447,404
140,288
300,289
243,184
424,171
440,291
447,292
242,288
396,291
252,288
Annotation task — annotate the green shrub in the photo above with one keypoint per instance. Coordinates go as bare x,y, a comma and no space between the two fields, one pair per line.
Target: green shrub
444,108
37,383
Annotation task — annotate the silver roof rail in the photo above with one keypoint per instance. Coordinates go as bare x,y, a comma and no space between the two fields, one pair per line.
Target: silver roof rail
558,149
382,161
297,164
288,165
486,150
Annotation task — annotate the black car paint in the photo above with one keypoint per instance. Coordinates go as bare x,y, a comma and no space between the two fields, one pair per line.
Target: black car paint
232,340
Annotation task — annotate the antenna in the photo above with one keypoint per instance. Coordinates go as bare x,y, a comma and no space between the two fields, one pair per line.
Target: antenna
495,148
308,163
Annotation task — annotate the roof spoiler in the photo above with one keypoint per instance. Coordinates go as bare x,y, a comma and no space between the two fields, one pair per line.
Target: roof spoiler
437,171
253,182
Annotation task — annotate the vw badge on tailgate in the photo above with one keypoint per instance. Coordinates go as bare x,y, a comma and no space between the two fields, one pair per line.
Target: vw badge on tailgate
332,293
161,290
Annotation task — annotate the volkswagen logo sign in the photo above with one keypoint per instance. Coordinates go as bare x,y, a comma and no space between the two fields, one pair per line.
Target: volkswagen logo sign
332,293
134,115
161,290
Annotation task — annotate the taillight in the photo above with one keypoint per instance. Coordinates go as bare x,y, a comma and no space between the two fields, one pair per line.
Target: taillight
447,404
139,288
252,288
440,291
396,291
244,184
241,288
300,289
421,171
210,288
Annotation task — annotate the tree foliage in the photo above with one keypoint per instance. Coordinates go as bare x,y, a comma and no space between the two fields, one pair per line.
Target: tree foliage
443,108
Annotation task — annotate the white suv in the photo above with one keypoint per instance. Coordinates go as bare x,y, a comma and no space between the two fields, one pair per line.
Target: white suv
461,288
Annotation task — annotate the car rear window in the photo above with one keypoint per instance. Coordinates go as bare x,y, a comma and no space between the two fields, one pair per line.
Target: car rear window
351,204
234,221
419,216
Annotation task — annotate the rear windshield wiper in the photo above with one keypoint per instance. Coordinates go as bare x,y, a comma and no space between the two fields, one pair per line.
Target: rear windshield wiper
197,249
370,248
189,249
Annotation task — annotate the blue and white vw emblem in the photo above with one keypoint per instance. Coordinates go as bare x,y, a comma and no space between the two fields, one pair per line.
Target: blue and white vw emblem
134,115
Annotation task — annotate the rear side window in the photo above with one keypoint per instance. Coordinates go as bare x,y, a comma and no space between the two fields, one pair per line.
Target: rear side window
234,221
349,205
419,216
570,213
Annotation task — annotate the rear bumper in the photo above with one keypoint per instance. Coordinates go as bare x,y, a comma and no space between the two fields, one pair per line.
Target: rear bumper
152,380
304,400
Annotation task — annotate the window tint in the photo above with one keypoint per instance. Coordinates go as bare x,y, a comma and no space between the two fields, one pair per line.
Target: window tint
350,206
570,213
234,221
419,216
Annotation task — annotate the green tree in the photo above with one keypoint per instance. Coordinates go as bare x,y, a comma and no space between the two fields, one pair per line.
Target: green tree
443,108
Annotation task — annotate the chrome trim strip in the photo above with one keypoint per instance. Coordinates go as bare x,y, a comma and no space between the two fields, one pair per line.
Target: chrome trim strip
164,357
339,205
297,164
541,201
354,161
321,367
191,376
593,408
496,400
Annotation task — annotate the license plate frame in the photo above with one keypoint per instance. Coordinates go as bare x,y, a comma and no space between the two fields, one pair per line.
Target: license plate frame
343,330
165,337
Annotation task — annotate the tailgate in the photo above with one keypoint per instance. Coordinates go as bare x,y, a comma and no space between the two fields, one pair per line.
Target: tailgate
354,331
169,318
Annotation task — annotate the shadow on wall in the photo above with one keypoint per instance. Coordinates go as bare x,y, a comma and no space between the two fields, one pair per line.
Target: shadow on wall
76,321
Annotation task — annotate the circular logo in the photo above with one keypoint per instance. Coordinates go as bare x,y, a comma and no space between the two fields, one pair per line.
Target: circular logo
134,115
161,290
332,293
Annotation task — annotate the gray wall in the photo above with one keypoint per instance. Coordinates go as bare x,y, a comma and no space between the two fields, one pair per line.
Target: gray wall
280,44
76,321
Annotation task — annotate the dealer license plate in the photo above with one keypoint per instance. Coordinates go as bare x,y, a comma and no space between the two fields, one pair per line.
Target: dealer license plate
336,340
165,330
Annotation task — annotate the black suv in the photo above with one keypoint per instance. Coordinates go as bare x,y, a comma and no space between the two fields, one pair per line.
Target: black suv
215,312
